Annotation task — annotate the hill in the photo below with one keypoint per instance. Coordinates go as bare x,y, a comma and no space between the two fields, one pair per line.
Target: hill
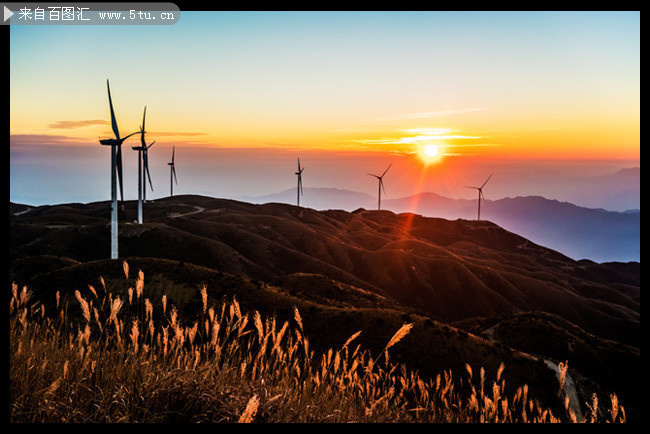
576,231
349,271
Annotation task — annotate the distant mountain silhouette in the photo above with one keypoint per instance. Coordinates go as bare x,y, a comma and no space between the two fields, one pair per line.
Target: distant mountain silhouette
619,190
578,232
318,198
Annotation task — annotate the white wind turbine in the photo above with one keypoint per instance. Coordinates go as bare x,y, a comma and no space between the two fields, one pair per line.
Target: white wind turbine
381,185
145,166
480,195
116,172
142,163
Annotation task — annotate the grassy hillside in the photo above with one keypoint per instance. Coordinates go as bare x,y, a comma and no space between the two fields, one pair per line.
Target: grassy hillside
456,282
110,356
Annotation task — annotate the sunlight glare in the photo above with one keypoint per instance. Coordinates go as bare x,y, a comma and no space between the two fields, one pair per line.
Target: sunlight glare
431,150
430,153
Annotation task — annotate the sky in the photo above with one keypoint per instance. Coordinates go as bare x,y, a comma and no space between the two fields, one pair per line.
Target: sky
446,97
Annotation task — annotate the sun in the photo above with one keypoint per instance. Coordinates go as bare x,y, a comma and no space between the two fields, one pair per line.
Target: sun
431,151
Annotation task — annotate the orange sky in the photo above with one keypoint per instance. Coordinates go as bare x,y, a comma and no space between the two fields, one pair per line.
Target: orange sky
471,85
507,84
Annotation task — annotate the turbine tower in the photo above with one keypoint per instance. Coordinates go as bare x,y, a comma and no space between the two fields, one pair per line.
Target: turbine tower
381,185
172,173
116,172
142,163
145,162
480,195
299,188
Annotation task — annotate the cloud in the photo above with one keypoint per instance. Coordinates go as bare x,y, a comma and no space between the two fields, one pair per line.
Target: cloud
411,139
171,133
423,134
420,135
44,139
67,125
422,115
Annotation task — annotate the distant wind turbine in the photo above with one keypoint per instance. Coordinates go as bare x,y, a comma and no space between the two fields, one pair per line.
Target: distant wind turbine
172,172
381,185
142,152
116,172
145,164
480,195
299,188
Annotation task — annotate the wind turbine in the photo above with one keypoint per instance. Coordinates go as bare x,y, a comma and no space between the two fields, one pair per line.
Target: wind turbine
116,171
299,188
145,162
142,152
172,172
480,195
381,185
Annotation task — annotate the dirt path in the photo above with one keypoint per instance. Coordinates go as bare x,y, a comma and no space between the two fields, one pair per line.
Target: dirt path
569,389
23,212
176,214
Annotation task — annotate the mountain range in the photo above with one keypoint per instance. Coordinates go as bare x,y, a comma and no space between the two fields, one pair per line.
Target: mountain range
475,292
578,232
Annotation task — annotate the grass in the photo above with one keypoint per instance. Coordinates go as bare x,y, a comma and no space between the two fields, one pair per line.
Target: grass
101,358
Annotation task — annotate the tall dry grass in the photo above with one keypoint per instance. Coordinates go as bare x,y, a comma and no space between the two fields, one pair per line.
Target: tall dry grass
134,360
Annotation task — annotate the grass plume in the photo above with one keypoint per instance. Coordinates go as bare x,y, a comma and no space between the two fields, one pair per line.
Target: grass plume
152,365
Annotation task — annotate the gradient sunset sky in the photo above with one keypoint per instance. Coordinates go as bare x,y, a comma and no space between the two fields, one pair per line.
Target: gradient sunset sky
476,85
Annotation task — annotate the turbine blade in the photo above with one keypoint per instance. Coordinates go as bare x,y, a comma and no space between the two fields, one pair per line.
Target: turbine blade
486,180
124,138
376,176
381,182
173,152
300,183
174,172
113,121
298,164
142,130
151,144
149,176
146,168
382,175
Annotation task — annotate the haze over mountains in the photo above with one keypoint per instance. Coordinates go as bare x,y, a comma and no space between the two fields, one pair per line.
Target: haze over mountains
617,191
578,232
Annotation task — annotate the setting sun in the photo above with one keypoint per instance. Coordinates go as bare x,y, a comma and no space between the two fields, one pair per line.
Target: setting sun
430,153
431,150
